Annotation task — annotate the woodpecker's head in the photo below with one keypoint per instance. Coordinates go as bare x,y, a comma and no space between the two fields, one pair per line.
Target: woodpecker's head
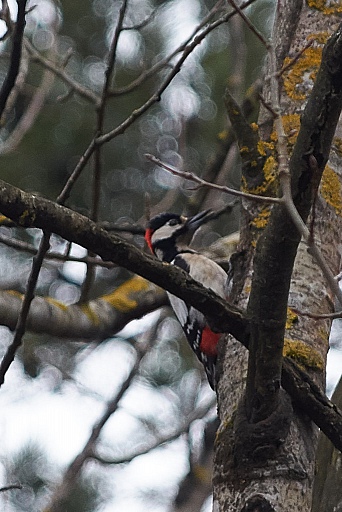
167,233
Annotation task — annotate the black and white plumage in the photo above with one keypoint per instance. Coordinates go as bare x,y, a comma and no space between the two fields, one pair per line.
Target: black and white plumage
168,236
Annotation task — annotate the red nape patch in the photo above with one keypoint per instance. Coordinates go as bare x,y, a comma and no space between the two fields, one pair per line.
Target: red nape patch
209,341
148,236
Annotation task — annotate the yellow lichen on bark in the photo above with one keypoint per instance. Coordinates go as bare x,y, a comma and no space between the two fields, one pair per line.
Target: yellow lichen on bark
15,293
291,124
244,150
303,354
321,5
269,185
324,336
337,145
291,318
263,147
331,189
308,62
261,220
26,218
319,37
93,317
57,303
121,299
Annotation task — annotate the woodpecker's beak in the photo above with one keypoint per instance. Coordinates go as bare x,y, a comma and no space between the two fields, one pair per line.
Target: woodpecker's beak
193,223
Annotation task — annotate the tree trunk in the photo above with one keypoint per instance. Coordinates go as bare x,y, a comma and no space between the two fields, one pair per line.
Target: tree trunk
277,472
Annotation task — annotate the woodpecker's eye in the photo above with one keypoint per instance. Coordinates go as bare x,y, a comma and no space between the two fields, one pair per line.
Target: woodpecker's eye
173,222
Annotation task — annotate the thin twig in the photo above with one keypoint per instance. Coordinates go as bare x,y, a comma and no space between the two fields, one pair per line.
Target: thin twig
77,171
96,188
317,316
28,297
5,15
111,62
11,487
304,231
119,130
23,246
164,62
18,87
267,106
144,22
15,55
75,467
250,25
193,177
30,115
80,89
168,79
161,439
294,60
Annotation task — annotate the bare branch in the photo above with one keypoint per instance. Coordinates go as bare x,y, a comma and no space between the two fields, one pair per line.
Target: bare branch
5,15
160,439
76,228
285,181
279,242
93,321
15,56
80,89
144,22
294,60
189,48
22,319
250,25
164,62
193,177
96,185
73,226
11,487
317,316
29,117
73,471
143,108
50,255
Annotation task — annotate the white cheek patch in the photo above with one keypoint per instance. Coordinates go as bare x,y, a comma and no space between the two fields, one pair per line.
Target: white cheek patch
162,233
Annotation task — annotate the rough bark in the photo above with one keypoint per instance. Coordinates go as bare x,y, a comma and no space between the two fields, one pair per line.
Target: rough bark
327,493
266,446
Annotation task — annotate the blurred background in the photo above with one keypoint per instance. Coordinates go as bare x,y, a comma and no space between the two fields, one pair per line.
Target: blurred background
57,389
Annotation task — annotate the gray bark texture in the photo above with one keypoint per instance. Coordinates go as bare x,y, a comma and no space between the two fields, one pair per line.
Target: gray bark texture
266,445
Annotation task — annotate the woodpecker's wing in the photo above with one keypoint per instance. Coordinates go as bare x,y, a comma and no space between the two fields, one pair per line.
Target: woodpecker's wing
204,271
200,337
196,331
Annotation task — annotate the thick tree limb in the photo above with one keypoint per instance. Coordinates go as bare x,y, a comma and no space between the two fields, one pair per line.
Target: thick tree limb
29,210
95,320
279,242
252,161
309,399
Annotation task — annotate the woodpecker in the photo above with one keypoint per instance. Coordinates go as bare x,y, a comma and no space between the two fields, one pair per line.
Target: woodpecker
168,236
